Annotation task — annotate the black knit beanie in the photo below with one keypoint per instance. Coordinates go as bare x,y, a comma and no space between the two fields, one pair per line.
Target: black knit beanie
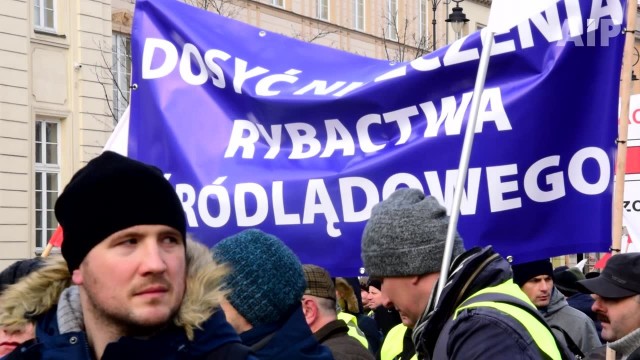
112,193
376,283
527,271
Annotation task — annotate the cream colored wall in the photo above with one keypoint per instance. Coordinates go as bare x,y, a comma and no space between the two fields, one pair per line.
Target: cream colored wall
298,19
14,131
40,76
477,15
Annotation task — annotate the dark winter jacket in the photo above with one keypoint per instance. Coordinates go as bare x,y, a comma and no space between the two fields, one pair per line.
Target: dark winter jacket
343,347
476,333
575,324
290,338
197,331
371,332
386,319
171,343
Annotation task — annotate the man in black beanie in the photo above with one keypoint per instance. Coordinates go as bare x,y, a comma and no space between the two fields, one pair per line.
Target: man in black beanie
573,328
480,314
138,289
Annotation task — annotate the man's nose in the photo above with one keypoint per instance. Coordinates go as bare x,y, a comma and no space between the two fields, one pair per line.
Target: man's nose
152,259
597,306
544,286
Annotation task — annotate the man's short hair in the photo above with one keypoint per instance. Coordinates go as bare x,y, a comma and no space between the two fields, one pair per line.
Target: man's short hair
619,279
326,306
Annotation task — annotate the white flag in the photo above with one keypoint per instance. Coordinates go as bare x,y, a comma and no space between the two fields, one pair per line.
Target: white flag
506,14
119,139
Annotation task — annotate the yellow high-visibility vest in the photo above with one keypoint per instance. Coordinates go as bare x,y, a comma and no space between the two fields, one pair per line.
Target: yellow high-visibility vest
354,330
393,342
538,331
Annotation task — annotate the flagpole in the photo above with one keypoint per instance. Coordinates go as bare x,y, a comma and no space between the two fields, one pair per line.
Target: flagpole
47,250
487,41
623,124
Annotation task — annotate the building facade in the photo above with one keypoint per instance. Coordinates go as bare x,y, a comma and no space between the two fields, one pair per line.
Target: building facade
65,68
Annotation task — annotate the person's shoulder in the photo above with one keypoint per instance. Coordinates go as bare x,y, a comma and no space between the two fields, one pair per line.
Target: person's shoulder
485,326
569,313
486,316
347,348
635,355
232,350
599,353
26,351
72,346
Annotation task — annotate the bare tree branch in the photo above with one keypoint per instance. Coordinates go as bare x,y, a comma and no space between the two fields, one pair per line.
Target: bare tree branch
320,32
106,76
223,7
398,41
108,79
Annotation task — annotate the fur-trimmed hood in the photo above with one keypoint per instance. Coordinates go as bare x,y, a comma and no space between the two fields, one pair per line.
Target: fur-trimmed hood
348,301
40,291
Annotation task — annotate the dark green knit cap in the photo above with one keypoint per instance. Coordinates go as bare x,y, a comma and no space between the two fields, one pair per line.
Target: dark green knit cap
266,279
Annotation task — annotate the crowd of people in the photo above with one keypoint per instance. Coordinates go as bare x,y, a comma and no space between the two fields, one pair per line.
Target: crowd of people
132,284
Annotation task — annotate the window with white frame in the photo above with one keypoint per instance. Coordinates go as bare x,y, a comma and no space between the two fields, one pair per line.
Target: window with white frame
423,26
44,15
322,9
358,14
121,70
47,173
279,3
392,19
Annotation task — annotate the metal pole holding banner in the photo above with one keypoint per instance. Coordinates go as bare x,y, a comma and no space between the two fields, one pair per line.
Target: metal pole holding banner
487,41
623,126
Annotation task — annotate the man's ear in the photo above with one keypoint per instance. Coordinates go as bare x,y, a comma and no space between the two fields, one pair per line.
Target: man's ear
76,277
310,310
415,279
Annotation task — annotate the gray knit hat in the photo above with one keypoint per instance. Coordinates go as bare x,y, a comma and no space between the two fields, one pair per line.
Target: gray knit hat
406,235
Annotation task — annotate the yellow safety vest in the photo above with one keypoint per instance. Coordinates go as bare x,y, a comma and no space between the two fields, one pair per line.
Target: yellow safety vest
392,345
354,330
538,331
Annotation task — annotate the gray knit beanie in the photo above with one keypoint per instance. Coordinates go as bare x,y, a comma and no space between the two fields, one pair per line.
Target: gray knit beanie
406,235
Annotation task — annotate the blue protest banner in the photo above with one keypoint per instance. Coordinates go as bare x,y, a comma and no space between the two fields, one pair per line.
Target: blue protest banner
256,129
